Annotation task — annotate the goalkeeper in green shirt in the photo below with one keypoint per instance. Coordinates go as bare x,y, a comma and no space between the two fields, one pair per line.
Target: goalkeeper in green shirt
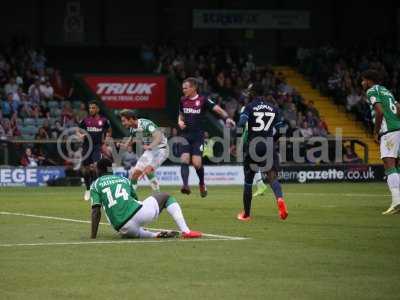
126,213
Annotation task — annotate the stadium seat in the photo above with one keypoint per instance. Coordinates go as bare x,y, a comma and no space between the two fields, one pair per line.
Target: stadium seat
55,112
76,104
40,121
29,122
52,121
19,122
52,104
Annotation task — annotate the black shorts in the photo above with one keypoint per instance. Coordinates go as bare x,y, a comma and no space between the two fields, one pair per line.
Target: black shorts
192,144
93,157
261,156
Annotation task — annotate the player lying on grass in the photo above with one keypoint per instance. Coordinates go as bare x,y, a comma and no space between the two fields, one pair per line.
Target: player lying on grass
385,115
125,213
155,146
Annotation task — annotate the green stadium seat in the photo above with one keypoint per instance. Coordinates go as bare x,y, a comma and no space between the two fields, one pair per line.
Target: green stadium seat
55,112
76,104
52,104
39,122
29,121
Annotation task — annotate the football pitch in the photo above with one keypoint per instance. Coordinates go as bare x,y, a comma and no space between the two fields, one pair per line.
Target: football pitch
335,244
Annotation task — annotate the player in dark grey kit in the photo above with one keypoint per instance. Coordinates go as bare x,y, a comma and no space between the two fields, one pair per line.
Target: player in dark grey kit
259,149
96,127
191,116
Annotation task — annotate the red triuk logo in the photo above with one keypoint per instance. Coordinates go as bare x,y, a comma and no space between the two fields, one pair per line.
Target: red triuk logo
129,91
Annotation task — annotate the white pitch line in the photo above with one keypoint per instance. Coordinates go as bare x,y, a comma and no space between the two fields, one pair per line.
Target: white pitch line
337,194
144,241
219,237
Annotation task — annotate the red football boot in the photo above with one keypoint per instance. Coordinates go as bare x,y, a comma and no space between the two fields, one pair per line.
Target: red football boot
192,234
242,217
283,213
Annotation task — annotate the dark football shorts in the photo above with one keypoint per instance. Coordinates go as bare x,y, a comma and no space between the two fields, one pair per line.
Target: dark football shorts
261,156
193,144
93,157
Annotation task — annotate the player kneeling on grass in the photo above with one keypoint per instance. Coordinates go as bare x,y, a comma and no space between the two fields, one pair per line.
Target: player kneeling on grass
125,213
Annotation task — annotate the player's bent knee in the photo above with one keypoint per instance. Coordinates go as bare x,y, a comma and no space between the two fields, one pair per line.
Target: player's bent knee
136,174
149,169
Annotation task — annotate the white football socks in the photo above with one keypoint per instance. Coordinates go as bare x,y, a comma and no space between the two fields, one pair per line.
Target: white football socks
393,181
176,213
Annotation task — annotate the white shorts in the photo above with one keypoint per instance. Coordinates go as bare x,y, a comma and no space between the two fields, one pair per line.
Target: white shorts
147,213
390,144
153,158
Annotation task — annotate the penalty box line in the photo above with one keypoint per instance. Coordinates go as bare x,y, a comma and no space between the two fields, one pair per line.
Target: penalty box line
211,236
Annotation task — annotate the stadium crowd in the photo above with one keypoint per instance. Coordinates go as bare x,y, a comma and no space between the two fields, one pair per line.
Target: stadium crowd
337,73
35,101
223,74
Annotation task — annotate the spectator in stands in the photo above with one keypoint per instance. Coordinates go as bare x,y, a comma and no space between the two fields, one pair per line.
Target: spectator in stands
311,119
34,92
29,159
10,106
67,113
320,129
11,87
128,158
46,90
8,130
305,130
56,129
290,114
352,99
349,156
81,113
62,89
46,127
41,134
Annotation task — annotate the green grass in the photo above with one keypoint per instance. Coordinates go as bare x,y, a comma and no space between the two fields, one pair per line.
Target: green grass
335,244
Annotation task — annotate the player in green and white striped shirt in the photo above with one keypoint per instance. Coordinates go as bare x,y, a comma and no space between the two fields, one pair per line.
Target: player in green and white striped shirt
155,146
126,213
385,114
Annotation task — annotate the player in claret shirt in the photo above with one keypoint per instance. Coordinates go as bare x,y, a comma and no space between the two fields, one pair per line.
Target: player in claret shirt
192,109
95,127
126,213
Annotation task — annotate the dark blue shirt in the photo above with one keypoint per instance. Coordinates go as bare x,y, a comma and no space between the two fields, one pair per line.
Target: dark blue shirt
261,118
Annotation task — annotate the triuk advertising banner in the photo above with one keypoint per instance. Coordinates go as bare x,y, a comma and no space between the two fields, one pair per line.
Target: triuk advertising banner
129,91
29,176
253,19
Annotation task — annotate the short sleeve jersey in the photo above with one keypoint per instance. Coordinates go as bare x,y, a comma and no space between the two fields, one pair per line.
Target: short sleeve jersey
118,198
145,131
261,117
96,127
193,110
379,94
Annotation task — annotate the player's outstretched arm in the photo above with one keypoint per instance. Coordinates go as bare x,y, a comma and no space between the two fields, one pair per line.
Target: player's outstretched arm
96,216
224,115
